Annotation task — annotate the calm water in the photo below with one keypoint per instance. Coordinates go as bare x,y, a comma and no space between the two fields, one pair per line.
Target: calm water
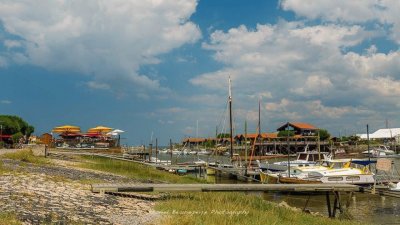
363,208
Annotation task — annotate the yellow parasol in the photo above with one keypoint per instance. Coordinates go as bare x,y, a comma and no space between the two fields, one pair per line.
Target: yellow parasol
100,129
66,128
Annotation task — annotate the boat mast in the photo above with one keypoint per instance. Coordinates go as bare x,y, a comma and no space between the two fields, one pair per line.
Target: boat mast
259,128
288,148
230,119
369,153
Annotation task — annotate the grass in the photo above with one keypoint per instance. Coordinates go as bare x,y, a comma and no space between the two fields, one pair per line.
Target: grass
2,169
233,208
27,156
135,170
7,218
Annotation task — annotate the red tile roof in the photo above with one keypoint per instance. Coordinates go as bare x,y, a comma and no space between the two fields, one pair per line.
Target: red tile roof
299,125
303,125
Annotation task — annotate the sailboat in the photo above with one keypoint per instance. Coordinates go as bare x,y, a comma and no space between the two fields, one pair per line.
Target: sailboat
210,166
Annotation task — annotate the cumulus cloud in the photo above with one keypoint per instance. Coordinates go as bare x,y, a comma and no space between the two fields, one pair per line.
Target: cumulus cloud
5,101
384,12
308,71
108,40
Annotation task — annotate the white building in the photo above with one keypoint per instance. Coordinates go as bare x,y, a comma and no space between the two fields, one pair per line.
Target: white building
383,134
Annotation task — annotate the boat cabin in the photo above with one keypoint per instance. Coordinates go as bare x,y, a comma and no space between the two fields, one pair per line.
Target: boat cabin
312,156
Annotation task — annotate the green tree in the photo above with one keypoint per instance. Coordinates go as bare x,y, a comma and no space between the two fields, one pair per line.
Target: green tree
324,135
209,144
13,124
223,135
285,133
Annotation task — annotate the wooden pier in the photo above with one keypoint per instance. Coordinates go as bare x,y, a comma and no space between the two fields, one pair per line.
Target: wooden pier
102,188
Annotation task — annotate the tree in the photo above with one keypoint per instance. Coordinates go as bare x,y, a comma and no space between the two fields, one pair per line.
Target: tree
285,133
223,135
13,124
324,135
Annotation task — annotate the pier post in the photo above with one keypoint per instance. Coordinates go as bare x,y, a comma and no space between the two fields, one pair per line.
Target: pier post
150,151
336,203
156,151
170,149
328,203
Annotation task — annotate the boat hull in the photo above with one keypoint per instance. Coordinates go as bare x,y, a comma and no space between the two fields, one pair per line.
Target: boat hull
268,178
295,180
210,171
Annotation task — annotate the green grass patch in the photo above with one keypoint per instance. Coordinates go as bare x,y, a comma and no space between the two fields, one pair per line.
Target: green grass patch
233,208
7,218
27,156
135,170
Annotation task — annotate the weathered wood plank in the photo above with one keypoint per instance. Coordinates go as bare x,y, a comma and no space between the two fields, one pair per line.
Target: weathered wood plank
222,187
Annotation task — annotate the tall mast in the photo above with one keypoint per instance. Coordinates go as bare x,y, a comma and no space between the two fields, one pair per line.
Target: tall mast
259,116
230,118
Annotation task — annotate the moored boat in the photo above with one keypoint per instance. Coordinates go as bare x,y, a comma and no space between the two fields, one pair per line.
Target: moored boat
346,174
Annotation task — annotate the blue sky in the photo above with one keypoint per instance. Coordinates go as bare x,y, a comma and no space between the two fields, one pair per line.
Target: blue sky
160,66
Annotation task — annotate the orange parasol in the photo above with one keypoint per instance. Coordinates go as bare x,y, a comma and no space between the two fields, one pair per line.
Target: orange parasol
66,128
100,129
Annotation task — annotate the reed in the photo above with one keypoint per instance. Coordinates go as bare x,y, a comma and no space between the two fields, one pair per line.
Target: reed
27,156
2,169
233,208
7,218
135,170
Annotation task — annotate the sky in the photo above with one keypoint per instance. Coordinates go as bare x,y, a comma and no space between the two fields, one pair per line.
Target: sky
160,68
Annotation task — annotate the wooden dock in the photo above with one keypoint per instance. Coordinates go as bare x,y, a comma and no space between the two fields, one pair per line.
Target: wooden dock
102,188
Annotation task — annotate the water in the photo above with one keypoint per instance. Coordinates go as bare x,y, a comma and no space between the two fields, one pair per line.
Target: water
372,209
366,208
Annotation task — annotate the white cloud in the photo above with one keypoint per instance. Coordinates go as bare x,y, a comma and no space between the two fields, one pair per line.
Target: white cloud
290,109
96,85
5,101
282,55
12,44
314,85
308,72
384,12
339,10
108,40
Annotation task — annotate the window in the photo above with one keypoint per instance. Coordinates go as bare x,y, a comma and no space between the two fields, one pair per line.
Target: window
353,178
335,178
302,157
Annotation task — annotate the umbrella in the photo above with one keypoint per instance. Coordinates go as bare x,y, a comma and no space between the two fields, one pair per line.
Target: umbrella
99,129
115,132
66,129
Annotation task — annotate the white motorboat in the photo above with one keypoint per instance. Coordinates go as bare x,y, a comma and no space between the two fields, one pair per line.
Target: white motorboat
346,174
305,158
192,152
163,151
395,187
379,151
204,152
159,161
